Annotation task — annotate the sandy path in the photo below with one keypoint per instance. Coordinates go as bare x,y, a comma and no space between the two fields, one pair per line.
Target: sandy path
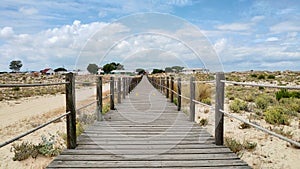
14,111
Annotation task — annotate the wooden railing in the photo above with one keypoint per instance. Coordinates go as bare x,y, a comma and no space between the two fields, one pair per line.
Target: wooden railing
128,85
166,85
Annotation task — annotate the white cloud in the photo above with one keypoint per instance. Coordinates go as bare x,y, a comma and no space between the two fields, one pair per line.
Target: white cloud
241,26
272,39
286,26
6,32
235,27
220,45
51,47
257,18
28,10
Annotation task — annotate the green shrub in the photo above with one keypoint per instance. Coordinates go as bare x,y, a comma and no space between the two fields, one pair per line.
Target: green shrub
15,89
203,122
46,148
263,101
276,115
249,145
237,105
234,145
261,76
206,101
292,105
105,108
175,101
253,75
244,126
271,77
284,93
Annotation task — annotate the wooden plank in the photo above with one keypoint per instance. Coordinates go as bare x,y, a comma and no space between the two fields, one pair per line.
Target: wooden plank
134,164
161,157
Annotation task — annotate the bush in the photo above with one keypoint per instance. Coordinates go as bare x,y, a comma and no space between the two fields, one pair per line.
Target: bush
46,148
244,126
15,89
234,145
263,101
237,105
105,108
203,122
261,77
175,101
276,115
203,91
292,105
249,145
271,77
206,101
253,75
284,93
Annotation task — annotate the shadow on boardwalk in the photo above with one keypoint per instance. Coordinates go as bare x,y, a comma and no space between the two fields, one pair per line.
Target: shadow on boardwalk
146,131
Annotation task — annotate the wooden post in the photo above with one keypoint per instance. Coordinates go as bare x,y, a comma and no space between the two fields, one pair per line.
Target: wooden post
179,94
119,90
124,87
71,107
99,99
219,116
192,98
172,88
167,94
160,84
112,93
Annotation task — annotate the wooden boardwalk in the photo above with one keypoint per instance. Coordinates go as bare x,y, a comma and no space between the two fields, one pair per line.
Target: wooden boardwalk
146,131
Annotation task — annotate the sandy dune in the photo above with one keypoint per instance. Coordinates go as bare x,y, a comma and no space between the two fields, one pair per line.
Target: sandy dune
13,111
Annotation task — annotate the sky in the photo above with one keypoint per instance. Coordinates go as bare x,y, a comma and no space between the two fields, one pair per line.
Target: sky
236,35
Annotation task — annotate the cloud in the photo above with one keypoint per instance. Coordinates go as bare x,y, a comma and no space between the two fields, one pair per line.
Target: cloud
241,26
51,47
286,26
257,18
28,10
272,39
6,32
220,45
235,27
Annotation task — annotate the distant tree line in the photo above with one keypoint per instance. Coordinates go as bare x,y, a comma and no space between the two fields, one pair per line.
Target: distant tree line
107,68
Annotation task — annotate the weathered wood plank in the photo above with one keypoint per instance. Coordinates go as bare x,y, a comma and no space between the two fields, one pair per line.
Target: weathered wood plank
133,164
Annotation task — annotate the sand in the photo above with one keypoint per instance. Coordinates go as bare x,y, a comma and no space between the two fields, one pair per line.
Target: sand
271,152
19,116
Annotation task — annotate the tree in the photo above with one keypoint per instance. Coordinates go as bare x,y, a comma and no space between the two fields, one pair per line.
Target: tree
93,68
140,71
177,68
107,68
157,71
168,70
60,69
15,65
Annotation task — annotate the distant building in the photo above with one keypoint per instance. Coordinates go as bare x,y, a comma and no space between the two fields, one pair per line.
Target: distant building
48,71
194,70
124,72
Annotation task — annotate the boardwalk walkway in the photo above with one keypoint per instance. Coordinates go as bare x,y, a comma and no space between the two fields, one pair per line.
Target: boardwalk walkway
147,131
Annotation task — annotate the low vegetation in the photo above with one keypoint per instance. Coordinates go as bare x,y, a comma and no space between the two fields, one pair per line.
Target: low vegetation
236,146
48,147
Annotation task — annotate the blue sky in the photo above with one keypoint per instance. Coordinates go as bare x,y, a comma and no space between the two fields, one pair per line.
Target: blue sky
245,34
